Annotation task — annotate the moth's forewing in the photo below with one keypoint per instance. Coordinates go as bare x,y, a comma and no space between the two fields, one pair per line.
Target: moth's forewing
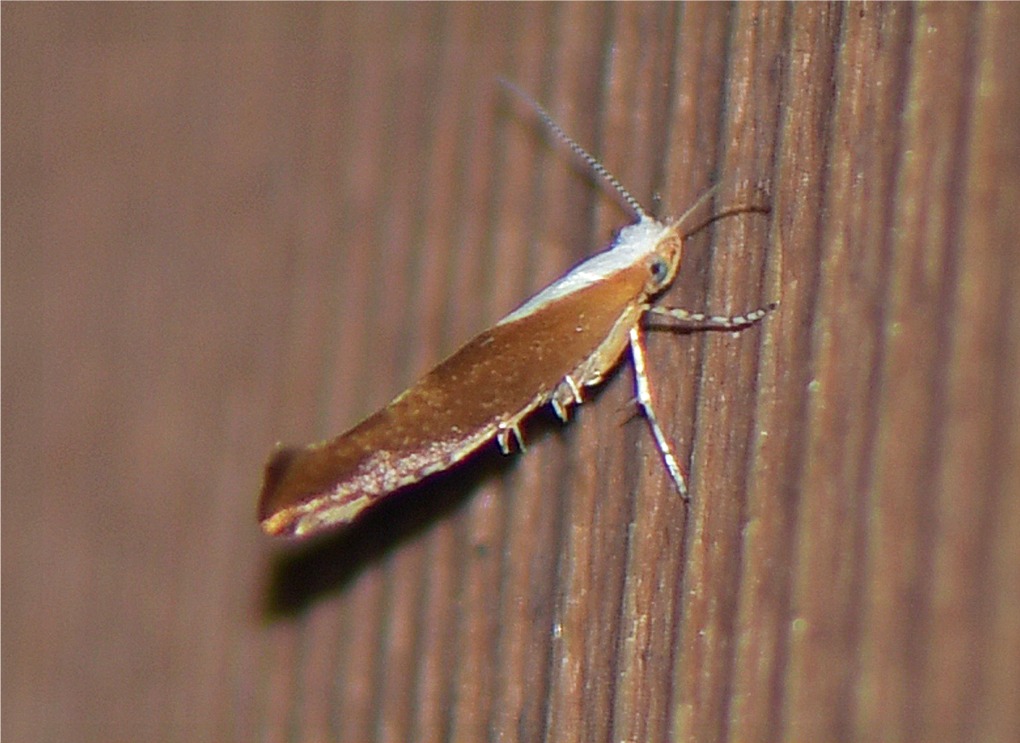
497,377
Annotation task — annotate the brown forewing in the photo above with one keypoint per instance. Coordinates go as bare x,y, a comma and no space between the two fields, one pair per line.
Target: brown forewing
496,377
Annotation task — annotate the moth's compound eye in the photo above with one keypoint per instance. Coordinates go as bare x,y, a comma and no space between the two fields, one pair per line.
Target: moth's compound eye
659,269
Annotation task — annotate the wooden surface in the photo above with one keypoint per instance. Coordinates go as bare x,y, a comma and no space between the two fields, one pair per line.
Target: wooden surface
225,226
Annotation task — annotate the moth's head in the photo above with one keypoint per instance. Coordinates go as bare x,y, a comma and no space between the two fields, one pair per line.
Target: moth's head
663,261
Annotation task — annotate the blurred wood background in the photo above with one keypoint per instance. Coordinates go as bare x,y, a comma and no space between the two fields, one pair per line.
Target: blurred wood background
230,225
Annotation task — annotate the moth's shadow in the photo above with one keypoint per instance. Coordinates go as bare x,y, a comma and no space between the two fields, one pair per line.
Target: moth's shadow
303,572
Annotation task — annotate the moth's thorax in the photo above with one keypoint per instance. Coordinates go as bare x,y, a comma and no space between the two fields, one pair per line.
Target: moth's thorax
640,237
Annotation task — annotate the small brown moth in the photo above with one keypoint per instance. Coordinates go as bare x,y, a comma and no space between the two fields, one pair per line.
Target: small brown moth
566,338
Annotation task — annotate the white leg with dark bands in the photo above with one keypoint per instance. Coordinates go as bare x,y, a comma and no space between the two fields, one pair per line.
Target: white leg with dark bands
644,399
713,322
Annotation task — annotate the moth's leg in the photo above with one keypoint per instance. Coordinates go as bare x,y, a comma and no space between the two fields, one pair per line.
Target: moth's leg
566,393
508,429
644,398
701,321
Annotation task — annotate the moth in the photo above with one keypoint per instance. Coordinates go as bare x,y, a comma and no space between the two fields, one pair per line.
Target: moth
566,338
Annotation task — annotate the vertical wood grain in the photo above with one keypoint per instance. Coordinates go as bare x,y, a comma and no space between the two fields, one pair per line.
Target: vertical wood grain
228,226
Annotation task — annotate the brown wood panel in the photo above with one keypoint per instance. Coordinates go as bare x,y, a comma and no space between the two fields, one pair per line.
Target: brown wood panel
226,226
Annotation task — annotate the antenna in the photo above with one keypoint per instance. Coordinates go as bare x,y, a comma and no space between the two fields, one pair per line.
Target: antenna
597,168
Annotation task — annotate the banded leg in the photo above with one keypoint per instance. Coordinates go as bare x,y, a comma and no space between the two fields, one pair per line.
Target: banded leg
508,429
701,321
644,398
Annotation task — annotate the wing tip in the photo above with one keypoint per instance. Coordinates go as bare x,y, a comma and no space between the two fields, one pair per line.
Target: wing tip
275,517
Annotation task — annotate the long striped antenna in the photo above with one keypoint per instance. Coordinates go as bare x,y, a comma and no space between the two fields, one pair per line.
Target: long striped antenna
596,167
